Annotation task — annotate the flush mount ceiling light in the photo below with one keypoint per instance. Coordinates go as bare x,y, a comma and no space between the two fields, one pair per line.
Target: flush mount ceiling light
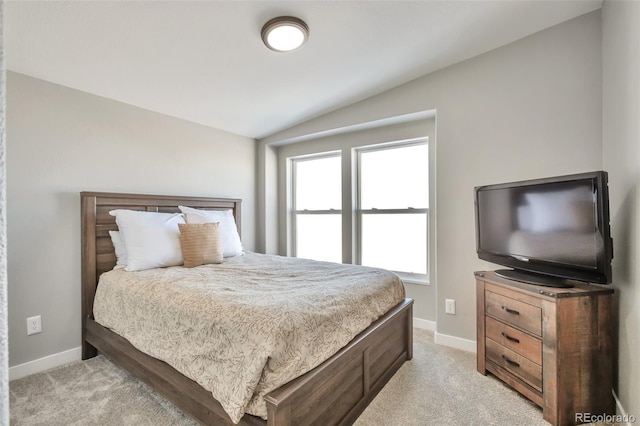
284,33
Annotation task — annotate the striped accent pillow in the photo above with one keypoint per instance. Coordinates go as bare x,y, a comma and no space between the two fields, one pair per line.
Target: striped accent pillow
200,243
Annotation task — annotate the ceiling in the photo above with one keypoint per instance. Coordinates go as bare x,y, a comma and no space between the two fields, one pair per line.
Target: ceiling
204,61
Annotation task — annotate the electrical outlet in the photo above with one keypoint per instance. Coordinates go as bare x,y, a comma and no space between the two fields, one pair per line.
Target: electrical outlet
34,325
450,306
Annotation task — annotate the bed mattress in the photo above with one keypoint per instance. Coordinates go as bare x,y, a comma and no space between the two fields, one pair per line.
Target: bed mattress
247,326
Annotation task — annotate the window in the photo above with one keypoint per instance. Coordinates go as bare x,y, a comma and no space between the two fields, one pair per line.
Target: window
317,207
387,223
393,208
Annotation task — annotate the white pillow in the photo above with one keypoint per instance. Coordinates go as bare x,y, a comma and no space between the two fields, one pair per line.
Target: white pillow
151,240
229,237
121,253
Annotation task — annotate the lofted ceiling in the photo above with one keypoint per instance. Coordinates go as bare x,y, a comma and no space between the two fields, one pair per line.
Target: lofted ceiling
204,61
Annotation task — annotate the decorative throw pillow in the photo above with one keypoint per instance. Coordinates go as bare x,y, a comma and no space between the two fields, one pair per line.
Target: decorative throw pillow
118,245
151,240
229,237
200,243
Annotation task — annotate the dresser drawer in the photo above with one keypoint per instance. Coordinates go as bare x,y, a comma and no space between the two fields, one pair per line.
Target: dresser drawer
514,312
518,365
516,340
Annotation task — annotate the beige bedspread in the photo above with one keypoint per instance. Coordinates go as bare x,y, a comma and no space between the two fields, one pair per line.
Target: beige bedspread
249,325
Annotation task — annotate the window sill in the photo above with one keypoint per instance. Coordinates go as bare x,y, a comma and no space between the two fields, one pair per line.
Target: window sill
412,280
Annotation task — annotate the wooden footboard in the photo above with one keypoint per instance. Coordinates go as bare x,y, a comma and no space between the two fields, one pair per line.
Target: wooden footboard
338,391
335,392
183,392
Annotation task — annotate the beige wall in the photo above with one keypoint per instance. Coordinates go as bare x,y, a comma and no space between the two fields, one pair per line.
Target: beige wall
267,199
4,329
621,139
62,141
526,110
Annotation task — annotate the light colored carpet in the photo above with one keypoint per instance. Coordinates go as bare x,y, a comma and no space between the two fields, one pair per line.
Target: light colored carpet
440,386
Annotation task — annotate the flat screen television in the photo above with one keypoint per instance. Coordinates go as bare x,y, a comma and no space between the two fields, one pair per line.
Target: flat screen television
548,230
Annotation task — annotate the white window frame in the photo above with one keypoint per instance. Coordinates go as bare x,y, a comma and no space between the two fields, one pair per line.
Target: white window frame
293,161
359,211
351,206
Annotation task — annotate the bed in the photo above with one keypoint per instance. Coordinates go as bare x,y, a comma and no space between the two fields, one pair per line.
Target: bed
334,392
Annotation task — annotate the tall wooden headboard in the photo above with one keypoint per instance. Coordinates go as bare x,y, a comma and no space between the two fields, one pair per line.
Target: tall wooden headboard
98,254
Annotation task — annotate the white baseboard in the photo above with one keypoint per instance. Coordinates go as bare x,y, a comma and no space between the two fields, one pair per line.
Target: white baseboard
75,354
424,324
445,339
45,363
626,418
455,342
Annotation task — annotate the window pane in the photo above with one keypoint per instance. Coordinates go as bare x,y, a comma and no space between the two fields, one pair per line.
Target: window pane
318,184
319,237
395,241
395,178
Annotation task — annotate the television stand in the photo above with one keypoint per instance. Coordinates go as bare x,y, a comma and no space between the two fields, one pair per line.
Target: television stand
532,278
553,345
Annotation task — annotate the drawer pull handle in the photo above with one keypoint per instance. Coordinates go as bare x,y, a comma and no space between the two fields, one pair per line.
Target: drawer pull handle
511,311
510,362
513,339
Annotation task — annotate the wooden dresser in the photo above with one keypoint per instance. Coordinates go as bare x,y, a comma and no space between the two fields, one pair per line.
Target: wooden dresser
553,345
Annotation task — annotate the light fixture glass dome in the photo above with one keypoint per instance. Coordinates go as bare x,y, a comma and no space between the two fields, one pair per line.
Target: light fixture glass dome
285,33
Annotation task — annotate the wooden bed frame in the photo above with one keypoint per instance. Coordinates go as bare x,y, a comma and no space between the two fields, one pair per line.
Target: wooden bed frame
335,392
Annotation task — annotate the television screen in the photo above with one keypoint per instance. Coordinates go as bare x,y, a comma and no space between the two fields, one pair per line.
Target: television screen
557,226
